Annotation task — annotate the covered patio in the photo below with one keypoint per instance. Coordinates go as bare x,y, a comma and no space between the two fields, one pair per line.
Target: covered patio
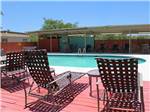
72,40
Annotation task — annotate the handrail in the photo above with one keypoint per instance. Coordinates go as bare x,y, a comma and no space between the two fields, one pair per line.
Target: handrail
84,50
79,50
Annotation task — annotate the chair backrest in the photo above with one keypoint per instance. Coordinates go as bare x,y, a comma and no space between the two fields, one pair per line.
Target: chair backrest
15,61
119,75
37,63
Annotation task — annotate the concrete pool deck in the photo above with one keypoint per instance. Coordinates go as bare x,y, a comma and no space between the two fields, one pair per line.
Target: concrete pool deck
143,68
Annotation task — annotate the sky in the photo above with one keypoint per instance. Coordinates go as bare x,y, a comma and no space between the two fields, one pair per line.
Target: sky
28,15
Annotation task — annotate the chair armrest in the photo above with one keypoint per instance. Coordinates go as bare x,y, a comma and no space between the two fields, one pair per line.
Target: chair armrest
23,79
60,77
140,79
122,109
140,85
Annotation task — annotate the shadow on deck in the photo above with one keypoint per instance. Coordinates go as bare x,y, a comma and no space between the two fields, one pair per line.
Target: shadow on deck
64,98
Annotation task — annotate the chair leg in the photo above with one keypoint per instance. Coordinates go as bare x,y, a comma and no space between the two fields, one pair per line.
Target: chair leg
54,73
52,97
28,81
16,79
53,100
90,83
98,104
31,87
25,92
39,89
142,100
105,97
27,74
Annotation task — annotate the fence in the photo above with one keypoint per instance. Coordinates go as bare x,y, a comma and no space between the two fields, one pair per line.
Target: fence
52,45
16,46
99,46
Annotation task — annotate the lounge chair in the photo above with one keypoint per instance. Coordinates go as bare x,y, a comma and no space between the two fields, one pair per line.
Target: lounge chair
37,63
15,66
123,91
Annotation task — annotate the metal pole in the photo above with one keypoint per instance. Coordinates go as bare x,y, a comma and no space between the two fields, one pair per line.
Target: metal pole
129,42
38,44
85,43
50,44
93,48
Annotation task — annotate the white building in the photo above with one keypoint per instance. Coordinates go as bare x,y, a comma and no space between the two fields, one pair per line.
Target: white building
9,36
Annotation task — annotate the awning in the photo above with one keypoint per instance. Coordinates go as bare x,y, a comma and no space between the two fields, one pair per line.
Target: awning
125,29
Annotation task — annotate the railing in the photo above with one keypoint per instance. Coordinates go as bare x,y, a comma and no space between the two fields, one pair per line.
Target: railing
84,50
79,50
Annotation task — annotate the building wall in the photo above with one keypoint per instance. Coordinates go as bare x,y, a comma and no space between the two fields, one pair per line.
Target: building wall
136,46
73,43
15,39
16,46
46,44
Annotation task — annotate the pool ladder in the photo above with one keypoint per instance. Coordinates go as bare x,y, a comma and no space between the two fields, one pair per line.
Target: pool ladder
79,51
84,50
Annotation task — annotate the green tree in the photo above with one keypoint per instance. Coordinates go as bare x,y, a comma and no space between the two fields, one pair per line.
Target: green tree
33,38
56,24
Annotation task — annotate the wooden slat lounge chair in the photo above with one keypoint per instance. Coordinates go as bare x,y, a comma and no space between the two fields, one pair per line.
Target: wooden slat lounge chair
15,66
37,62
122,85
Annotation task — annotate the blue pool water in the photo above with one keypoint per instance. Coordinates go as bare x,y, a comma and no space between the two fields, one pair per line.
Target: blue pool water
81,61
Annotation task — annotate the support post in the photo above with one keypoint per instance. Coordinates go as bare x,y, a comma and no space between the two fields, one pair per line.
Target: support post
85,43
50,44
129,42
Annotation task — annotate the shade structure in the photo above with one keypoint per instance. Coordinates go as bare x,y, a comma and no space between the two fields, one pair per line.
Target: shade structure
97,30
123,29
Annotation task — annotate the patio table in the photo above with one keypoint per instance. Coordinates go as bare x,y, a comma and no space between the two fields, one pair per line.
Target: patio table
2,58
2,64
2,61
93,74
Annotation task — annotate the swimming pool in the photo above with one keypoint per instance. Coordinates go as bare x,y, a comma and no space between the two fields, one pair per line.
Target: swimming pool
81,60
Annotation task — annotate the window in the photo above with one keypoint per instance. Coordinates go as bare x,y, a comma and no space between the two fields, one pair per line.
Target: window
25,40
4,40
